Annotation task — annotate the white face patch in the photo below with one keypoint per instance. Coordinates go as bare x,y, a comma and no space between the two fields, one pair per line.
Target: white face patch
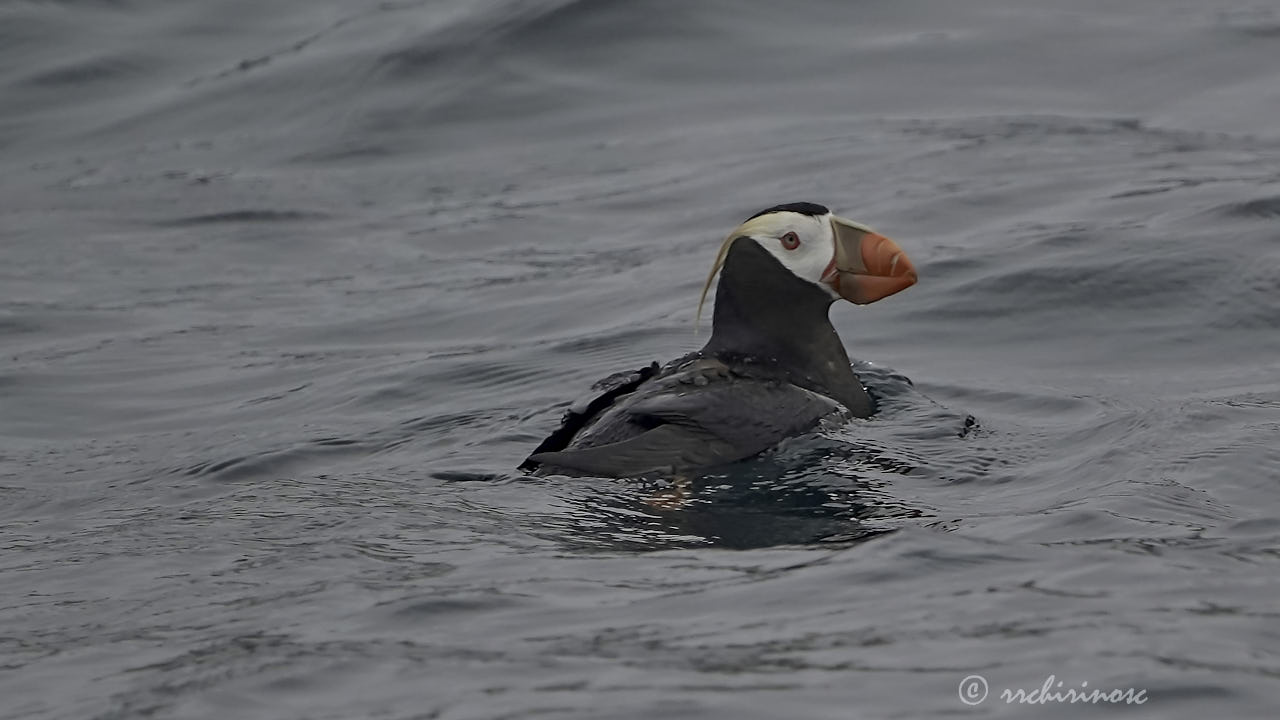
808,260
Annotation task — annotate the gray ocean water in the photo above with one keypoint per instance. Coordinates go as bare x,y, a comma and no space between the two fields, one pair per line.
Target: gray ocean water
288,289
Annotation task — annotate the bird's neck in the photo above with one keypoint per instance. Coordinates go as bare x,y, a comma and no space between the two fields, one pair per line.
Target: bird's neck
766,315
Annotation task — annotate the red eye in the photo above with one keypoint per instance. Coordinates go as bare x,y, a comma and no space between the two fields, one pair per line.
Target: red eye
790,241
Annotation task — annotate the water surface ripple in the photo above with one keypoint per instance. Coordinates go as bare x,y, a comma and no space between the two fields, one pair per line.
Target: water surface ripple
290,288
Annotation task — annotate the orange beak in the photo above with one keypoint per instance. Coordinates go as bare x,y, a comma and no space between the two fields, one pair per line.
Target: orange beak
867,266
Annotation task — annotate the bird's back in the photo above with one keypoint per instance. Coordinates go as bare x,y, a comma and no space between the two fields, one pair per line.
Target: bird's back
696,412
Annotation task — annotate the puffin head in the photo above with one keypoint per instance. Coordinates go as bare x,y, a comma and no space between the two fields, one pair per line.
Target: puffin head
844,258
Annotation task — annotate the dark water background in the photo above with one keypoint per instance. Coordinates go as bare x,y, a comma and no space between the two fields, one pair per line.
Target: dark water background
288,289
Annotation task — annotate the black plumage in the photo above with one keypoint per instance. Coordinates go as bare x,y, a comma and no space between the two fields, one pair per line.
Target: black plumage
773,368
803,208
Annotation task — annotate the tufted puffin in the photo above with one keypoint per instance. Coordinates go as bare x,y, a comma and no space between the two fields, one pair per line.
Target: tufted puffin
773,367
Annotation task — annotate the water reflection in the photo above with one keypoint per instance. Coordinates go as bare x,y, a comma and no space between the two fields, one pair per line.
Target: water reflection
833,486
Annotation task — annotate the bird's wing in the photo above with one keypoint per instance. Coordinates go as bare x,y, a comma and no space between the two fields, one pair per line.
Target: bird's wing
718,423
603,394
665,448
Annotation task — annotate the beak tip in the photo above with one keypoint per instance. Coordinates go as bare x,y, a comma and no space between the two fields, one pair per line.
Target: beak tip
872,265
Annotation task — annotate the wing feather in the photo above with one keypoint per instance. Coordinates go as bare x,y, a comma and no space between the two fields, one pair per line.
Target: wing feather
697,428
581,413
